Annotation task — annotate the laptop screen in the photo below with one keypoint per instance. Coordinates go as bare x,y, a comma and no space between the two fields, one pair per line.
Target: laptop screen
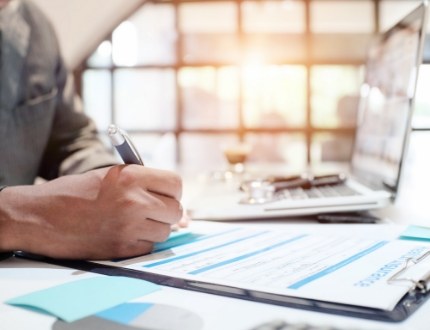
386,101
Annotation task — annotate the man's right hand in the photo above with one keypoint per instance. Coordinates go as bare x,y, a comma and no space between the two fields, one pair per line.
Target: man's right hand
106,213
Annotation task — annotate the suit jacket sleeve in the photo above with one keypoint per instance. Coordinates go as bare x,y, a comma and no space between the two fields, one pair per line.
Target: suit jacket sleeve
74,145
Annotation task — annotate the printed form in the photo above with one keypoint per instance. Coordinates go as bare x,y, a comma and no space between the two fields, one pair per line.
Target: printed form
335,268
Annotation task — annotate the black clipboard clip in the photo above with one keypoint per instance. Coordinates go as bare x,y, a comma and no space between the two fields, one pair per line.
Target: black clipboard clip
420,285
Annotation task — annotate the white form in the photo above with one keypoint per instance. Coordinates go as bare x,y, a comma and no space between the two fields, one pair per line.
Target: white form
334,268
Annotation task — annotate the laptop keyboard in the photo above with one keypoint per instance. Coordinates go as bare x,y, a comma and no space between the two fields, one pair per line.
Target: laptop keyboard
317,192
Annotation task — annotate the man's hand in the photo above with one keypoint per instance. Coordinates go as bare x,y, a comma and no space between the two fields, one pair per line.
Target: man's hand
113,212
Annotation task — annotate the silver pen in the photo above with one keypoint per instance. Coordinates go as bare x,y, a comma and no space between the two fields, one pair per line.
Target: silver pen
124,146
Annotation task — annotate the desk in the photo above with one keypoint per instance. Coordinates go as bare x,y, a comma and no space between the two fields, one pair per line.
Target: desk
18,276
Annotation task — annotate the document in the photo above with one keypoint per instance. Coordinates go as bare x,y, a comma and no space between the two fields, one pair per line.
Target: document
336,268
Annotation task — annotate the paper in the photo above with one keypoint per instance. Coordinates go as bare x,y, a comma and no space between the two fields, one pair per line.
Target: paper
419,233
78,299
346,269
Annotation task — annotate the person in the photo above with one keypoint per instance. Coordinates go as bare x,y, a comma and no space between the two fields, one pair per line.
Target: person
89,206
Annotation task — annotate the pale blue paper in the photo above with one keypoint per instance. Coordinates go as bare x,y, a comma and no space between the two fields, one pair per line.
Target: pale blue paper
419,233
125,313
82,298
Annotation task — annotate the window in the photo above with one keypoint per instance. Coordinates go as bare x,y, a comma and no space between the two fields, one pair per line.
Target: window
145,99
342,16
186,78
393,10
334,91
421,118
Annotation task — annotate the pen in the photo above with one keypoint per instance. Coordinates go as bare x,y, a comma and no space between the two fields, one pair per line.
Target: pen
305,182
124,146
346,218
126,149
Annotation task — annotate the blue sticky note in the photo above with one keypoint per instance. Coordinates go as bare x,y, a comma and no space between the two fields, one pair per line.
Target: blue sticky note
178,233
82,298
419,233
124,313
177,238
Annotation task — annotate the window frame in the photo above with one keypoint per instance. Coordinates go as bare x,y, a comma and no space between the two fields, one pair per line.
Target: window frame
311,58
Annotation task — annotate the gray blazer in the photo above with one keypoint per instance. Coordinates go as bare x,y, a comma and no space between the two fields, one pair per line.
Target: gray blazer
43,131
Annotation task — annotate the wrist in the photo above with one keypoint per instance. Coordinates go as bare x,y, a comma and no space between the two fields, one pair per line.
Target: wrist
3,255
25,219
4,225
9,205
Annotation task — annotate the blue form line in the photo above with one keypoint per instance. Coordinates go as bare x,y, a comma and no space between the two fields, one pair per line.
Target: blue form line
244,256
337,266
188,239
162,248
158,263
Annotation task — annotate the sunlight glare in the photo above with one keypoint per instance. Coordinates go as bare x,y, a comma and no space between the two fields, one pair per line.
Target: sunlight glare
125,44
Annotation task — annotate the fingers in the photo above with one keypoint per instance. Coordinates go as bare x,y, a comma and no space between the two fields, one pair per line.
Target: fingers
183,222
159,181
152,231
164,183
164,209
125,250
142,204
145,192
139,239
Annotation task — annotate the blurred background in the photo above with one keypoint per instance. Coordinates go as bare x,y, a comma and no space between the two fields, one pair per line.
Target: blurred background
185,78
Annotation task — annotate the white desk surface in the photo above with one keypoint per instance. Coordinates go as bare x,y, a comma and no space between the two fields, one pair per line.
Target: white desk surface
18,276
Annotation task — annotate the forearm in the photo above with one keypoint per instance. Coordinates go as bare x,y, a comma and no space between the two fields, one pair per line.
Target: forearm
23,219
42,218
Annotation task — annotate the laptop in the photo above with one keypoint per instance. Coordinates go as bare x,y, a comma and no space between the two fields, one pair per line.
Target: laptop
383,126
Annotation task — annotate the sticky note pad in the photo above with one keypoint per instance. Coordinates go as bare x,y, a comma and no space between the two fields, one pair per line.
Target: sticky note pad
82,298
419,233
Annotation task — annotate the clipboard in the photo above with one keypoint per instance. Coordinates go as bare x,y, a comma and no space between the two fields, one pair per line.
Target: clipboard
413,300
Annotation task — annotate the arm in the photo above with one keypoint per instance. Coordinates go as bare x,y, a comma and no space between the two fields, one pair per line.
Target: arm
110,212
68,142
105,213
74,145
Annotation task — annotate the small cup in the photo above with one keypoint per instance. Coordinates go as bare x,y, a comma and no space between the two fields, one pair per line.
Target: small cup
236,155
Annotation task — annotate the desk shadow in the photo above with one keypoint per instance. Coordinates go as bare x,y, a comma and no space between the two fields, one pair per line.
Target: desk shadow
128,317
